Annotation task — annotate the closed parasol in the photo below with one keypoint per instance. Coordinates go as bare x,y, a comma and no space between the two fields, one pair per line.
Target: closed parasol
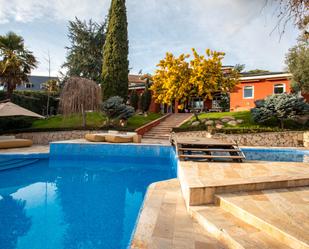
10,109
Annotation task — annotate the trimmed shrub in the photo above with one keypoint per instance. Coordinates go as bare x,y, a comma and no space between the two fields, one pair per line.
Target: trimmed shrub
280,107
146,100
134,99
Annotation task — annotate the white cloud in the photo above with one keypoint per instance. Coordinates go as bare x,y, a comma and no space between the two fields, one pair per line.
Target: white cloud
241,28
31,10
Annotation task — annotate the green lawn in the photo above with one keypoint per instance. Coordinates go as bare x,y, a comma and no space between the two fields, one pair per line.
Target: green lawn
94,120
244,115
140,120
248,124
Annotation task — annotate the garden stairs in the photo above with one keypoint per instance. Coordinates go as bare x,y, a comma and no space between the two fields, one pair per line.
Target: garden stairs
164,128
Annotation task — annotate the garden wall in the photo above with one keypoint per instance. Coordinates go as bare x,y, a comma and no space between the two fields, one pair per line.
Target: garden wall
271,139
47,137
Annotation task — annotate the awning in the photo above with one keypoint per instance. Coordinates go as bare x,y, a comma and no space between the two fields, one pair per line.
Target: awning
10,109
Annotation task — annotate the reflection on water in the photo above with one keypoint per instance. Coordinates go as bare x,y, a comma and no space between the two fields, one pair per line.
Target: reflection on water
61,207
14,222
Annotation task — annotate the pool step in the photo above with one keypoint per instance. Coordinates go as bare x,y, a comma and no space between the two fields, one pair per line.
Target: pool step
280,213
201,156
16,163
210,150
231,231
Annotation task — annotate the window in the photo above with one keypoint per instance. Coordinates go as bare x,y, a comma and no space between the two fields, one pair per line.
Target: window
279,88
248,92
29,85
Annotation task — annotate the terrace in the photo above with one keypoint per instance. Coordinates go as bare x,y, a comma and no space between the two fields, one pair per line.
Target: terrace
209,204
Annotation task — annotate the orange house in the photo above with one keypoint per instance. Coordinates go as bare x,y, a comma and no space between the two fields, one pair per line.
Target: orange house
255,87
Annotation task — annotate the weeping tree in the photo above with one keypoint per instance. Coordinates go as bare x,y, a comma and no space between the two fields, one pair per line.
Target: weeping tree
79,95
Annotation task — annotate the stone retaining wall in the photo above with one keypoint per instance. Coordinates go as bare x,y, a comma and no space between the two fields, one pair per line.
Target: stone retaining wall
271,139
47,137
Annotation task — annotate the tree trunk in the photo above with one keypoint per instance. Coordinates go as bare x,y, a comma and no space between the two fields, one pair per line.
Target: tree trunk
195,115
281,124
84,116
47,107
10,89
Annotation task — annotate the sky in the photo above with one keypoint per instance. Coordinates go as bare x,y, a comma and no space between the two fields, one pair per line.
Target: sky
240,28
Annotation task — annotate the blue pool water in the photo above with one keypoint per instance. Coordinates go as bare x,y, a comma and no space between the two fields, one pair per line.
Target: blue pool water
276,155
72,203
87,196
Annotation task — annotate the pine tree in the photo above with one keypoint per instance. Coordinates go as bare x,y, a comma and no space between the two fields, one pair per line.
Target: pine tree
84,55
116,65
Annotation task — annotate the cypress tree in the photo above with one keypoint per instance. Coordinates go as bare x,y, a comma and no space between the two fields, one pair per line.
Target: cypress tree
115,67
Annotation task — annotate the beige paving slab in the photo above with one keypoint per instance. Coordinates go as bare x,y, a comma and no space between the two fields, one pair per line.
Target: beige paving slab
282,213
27,150
234,232
164,222
201,180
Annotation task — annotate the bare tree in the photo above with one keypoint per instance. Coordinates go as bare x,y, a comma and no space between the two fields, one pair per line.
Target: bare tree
296,11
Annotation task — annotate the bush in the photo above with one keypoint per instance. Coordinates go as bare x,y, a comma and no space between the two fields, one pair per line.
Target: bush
134,99
35,101
114,108
11,123
146,100
280,107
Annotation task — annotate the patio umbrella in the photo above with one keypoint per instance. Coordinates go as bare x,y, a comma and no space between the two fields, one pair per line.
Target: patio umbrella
10,109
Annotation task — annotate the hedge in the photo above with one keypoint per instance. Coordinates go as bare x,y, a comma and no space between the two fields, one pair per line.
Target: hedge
28,130
234,130
35,101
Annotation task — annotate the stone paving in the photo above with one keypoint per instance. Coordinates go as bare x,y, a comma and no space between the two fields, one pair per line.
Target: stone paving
202,180
276,218
282,213
164,222
27,150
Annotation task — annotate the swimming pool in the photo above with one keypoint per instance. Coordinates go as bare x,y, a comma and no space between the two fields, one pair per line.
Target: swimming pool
87,196
276,155
89,202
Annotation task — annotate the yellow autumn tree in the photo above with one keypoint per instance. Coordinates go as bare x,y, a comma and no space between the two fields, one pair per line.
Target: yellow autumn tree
207,76
178,79
171,81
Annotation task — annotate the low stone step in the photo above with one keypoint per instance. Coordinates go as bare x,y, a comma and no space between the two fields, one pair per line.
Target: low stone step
158,132
155,136
201,182
279,212
233,232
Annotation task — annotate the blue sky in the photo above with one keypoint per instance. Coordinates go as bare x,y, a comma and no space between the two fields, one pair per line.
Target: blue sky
240,28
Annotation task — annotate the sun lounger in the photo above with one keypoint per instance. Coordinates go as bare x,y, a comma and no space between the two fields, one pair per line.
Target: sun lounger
95,137
14,143
114,137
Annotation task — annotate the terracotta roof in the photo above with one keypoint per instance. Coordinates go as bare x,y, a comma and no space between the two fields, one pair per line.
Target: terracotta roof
135,79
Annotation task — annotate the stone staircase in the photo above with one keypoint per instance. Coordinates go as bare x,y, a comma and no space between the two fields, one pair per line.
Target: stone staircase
244,205
163,130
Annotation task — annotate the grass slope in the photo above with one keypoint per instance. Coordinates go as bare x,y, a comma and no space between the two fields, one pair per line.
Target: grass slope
247,125
94,120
